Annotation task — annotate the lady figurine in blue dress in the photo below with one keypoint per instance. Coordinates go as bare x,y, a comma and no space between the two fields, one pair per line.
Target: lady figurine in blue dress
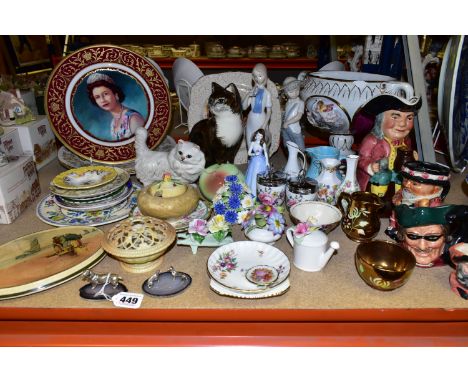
258,161
259,100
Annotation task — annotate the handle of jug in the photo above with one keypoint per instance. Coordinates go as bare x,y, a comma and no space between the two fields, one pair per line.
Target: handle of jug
343,202
290,236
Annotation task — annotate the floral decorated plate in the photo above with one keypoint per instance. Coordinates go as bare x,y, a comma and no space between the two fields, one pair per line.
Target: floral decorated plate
92,126
231,265
42,260
95,192
277,290
49,212
85,177
181,224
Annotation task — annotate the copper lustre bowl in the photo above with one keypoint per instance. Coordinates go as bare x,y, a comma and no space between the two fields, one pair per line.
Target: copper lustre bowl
383,265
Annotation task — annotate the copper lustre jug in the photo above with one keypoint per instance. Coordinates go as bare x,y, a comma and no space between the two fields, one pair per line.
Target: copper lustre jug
361,222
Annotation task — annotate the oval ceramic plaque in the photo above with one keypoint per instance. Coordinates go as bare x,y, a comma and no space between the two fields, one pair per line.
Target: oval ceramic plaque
42,260
97,96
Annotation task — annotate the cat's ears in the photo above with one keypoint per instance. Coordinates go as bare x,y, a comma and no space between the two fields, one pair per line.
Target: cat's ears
215,86
231,88
182,141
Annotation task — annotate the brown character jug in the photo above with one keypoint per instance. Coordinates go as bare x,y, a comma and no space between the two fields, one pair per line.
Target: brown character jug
361,222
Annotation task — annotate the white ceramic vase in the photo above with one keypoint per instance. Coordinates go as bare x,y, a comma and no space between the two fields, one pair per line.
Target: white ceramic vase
328,181
350,183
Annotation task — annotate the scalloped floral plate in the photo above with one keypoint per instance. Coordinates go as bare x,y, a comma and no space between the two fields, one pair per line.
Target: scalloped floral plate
228,265
278,290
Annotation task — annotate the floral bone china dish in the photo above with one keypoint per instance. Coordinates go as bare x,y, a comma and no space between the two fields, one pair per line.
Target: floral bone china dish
231,266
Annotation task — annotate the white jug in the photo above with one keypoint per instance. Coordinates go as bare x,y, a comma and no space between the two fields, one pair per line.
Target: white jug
310,251
293,166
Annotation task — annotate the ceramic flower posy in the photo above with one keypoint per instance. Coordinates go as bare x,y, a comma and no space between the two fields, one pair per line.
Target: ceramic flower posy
264,215
230,201
304,228
199,229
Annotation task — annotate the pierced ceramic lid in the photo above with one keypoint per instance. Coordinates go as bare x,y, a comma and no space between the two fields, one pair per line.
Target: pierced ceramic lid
139,236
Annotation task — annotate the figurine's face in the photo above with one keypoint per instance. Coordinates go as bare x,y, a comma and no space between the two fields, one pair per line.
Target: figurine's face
293,93
258,137
425,243
105,98
259,76
420,189
396,125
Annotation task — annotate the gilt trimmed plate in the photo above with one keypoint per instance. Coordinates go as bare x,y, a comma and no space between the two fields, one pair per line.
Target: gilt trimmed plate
96,96
92,193
278,290
85,177
44,259
230,265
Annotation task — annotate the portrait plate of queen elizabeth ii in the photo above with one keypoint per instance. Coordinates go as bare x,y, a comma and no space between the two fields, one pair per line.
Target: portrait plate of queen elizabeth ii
97,97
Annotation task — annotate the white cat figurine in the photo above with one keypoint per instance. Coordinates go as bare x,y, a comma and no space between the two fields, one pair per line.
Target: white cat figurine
185,161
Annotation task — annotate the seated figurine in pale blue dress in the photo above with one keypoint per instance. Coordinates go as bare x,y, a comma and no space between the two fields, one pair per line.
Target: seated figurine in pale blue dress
293,112
258,161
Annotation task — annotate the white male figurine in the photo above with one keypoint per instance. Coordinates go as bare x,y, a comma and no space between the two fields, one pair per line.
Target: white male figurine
293,112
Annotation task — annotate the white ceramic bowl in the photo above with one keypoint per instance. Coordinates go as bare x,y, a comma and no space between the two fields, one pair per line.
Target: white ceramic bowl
322,215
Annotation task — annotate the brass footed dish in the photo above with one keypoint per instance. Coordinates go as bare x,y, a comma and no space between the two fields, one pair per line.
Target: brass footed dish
139,243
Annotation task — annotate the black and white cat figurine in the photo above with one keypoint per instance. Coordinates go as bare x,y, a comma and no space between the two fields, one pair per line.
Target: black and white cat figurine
220,135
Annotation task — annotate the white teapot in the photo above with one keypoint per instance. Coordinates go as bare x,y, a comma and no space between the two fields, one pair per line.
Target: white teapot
310,250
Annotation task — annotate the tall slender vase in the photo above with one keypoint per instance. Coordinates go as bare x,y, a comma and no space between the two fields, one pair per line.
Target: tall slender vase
328,181
350,183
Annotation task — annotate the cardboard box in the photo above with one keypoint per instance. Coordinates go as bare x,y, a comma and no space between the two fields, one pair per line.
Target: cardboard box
38,140
10,143
19,187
